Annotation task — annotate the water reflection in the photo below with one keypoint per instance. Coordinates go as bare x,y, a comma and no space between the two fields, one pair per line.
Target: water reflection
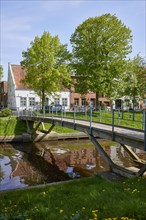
38,163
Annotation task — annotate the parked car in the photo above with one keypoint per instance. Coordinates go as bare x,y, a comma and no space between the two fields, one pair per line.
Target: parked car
54,108
1,107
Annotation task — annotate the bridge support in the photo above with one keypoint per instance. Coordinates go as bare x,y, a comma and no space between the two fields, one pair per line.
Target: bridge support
29,125
100,149
114,167
32,130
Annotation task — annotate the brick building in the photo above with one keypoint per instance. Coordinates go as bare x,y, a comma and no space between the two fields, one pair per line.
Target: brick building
88,99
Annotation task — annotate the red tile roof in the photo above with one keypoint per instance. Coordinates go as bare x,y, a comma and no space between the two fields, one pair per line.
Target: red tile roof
18,74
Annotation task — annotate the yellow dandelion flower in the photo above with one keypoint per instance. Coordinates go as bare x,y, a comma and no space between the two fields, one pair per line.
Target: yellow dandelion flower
61,210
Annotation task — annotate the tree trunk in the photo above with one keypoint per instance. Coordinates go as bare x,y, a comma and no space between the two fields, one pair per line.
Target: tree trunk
97,100
43,99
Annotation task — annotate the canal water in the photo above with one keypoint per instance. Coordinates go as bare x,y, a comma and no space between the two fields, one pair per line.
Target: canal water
29,164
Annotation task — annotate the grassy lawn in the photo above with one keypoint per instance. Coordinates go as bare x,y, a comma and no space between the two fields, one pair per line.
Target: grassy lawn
127,119
88,198
12,126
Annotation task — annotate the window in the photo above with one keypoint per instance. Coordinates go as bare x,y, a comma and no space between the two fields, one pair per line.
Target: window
57,101
64,101
92,102
83,102
76,101
31,101
22,101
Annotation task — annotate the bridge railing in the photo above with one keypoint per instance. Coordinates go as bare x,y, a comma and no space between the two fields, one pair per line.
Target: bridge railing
121,118
134,120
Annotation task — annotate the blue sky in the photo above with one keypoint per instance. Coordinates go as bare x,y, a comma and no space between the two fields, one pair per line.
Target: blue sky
22,20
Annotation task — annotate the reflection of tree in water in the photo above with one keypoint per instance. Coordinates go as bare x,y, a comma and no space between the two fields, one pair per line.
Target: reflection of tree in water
46,167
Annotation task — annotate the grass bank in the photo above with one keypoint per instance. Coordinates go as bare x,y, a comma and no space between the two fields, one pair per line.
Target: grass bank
87,198
12,126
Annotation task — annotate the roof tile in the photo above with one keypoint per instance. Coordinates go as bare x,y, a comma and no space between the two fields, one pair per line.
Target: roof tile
19,74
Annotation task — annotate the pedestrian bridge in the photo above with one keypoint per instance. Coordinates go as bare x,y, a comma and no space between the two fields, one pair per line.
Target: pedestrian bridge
123,135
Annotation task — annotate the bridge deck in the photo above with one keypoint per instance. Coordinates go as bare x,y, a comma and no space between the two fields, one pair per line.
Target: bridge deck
131,137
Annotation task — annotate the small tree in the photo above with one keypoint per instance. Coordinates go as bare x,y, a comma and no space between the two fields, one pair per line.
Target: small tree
46,65
100,46
1,72
135,78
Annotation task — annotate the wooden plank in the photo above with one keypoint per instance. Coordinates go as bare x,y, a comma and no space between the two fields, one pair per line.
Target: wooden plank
131,153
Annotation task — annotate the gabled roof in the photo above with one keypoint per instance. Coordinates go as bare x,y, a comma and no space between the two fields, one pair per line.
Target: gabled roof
18,74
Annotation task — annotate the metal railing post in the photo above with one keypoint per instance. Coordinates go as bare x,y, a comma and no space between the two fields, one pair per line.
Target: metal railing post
145,130
113,117
90,119
122,114
143,119
18,112
61,114
100,113
119,116
74,114
133,114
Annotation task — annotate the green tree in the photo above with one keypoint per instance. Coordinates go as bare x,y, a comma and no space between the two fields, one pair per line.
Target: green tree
46,65
135,78
1,72
100,48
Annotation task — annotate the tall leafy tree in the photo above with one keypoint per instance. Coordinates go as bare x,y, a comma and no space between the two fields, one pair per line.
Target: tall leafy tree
100,47
46,65
1,72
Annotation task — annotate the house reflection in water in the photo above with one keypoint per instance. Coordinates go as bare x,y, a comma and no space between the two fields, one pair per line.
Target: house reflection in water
43,162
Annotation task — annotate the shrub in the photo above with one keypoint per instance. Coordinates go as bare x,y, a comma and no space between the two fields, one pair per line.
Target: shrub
5,112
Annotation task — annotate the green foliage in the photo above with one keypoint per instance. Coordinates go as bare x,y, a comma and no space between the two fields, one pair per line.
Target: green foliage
1,72
100,47
5,112
46,64
135,77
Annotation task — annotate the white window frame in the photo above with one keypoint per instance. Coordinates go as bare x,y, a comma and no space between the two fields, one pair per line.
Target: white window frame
23,101
31,101
57,101
64,101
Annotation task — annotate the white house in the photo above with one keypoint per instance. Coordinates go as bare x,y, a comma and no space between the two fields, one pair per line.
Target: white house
21,97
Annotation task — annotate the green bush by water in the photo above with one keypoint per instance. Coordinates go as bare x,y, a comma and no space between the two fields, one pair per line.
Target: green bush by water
5,112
